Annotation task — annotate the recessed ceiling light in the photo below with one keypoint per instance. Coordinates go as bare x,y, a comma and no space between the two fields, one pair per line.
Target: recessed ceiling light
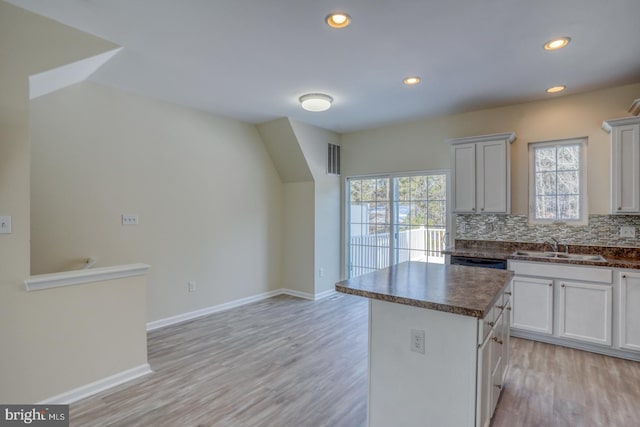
557,43
555,89
413,80
338,20
316,102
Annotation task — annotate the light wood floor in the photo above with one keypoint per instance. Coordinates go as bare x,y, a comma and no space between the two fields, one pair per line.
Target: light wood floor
286,362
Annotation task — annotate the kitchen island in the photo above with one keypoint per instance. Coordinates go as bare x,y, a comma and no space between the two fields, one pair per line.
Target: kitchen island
438,343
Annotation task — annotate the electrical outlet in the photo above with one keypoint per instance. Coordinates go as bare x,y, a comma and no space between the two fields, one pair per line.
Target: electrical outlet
499,228
129,219
5,225
192,286
417,341
627,231
490,227
321,272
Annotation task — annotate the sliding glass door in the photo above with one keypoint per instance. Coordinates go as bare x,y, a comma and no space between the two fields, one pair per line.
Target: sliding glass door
395,218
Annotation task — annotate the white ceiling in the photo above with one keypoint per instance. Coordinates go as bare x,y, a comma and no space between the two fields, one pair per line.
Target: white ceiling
251,59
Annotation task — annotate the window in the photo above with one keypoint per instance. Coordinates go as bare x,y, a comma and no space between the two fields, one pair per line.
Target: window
557,181
395,218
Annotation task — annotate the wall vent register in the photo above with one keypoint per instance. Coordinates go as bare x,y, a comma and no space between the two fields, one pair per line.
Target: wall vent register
333,159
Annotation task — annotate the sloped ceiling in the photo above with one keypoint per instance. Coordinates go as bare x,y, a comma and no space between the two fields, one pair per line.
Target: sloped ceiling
252,59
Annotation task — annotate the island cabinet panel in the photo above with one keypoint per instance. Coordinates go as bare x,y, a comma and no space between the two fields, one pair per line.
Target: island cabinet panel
413,389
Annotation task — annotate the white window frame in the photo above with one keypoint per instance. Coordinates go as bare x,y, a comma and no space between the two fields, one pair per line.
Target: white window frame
584,215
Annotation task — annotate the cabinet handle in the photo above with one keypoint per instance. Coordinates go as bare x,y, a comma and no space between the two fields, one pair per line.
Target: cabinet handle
508,293
473,208
508,308
562,285
624,276
501,307
481,209
550,284
619,208
497,340
491,324
498,386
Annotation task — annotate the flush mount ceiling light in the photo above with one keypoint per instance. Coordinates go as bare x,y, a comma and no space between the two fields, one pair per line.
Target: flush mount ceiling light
338,20
556,89
316,102
557,43
413,80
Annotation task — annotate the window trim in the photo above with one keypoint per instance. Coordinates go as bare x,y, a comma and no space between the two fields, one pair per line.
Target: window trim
584,214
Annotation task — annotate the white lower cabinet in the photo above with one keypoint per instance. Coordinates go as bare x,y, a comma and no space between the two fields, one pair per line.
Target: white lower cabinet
585,312
587,307
629,313
532,305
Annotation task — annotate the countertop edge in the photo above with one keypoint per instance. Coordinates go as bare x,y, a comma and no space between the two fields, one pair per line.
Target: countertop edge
419,303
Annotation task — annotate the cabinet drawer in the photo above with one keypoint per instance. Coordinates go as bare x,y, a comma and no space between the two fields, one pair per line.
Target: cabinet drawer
562,271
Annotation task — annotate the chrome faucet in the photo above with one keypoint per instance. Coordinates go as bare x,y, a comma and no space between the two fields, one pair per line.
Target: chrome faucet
555,244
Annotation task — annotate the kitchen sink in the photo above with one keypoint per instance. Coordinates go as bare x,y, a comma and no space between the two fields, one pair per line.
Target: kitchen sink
560,255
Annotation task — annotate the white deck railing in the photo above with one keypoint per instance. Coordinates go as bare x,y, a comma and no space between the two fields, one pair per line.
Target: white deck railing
370,252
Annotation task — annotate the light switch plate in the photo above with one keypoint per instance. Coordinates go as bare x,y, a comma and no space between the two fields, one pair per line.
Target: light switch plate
129,219
5,225
626,231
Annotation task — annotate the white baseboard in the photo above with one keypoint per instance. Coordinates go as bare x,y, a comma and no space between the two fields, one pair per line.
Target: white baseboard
157,324
324,294
297,294
97,386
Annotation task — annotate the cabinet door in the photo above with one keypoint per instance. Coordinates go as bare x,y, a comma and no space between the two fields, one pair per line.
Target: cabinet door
492,177
532,305
483,388
506,337
463,157
625,169
630,311
585,312
497,364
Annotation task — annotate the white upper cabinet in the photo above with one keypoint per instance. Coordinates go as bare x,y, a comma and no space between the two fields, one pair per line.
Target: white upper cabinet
481,173
625,164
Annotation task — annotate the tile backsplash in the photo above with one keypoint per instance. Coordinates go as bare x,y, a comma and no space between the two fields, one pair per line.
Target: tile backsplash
603,230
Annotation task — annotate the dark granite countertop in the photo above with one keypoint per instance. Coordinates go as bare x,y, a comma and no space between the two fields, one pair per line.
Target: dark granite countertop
468,291
615,257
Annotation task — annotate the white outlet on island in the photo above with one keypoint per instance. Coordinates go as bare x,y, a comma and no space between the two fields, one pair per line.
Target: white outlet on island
5,225
417,341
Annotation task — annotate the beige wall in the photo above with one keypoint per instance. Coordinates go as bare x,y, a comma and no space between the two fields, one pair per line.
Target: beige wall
81,334
298,248
34,361
208,197
313,142
421,145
